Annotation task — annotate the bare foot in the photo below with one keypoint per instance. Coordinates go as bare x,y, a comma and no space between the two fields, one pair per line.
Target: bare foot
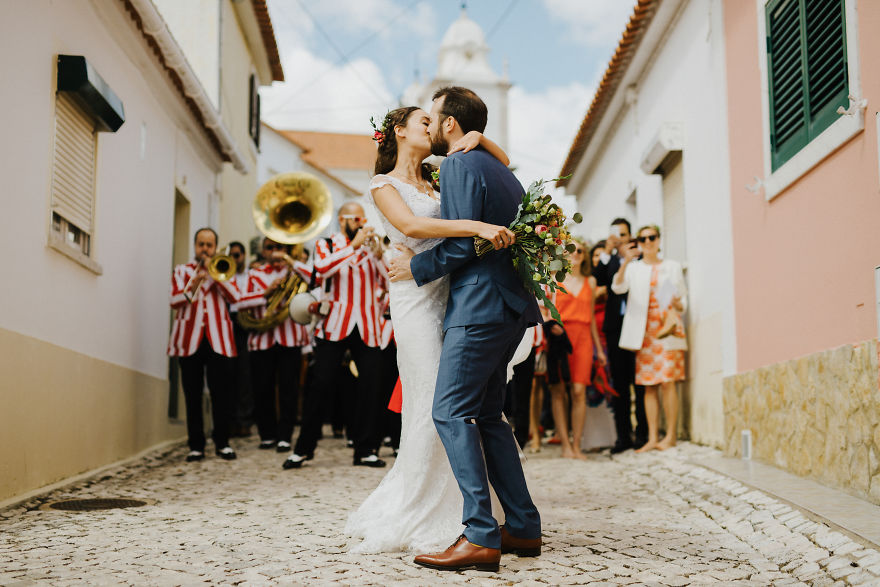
578,456
666,443
568,453
535,447
650,445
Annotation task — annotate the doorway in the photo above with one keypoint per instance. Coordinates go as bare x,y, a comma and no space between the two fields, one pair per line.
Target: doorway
180,253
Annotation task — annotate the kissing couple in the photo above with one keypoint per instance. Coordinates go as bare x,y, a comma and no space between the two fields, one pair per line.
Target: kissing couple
457,321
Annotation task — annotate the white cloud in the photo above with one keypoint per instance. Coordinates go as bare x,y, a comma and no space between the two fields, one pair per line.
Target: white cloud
543,126
326,97
595,23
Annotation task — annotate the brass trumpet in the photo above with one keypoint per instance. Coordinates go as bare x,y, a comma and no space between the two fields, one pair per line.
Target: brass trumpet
290,208
220,267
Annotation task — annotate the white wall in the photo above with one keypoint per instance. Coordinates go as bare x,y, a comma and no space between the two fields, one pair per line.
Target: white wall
684,82
122,315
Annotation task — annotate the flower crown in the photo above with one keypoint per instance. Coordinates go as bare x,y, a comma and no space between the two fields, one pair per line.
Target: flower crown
380,133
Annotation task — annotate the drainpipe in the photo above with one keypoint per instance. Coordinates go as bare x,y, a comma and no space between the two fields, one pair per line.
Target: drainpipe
155,26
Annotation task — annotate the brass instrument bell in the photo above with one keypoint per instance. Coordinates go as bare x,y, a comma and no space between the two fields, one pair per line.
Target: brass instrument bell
292,208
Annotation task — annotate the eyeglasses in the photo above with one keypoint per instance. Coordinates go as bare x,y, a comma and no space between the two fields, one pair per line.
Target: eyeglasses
650,237
353,217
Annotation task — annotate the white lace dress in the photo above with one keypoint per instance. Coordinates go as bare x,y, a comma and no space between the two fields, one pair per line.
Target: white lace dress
418,505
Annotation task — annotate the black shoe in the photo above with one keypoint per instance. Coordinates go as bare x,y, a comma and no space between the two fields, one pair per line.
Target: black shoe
369,461
349,443
338,434
226,453
195,455
296,461
282,446
266,444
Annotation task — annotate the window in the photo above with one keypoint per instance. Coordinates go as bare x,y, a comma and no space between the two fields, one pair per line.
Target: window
254,111
73,180
807,69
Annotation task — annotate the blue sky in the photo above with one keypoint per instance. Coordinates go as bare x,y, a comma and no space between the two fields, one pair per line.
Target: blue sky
347,59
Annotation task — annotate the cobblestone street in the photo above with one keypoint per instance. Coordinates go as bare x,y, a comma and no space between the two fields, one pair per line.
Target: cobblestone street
653,519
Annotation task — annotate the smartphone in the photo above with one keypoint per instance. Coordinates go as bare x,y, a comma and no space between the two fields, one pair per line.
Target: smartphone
615,230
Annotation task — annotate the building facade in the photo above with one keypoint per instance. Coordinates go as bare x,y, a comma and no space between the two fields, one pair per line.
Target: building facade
804,195
115,155
653,149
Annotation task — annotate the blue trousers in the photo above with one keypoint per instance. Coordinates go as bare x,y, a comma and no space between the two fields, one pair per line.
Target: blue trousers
468,401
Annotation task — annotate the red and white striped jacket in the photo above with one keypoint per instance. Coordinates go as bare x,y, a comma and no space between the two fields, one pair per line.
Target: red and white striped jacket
357,280
288,333
207,315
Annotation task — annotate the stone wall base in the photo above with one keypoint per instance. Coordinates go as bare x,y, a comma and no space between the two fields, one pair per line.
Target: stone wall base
817,416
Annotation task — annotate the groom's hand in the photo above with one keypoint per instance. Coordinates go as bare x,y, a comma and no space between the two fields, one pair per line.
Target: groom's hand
399,269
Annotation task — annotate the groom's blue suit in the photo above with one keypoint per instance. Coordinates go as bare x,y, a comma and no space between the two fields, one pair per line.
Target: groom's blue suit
488,312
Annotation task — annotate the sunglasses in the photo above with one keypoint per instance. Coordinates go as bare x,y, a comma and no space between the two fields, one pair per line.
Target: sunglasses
650,237
353,217
274,247
578,250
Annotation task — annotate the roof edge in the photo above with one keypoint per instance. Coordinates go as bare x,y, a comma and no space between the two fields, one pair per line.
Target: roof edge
643,15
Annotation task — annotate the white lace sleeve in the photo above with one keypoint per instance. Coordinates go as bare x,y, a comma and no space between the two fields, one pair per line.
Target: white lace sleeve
379,181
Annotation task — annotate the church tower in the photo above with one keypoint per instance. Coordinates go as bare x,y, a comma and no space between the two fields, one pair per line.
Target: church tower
463,60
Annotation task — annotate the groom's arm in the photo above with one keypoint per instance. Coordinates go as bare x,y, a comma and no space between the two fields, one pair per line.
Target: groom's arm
462,197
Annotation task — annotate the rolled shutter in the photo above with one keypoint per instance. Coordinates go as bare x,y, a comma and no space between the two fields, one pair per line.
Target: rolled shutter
73,173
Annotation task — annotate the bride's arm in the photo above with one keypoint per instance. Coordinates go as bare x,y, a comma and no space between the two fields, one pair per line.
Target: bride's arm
393,207
474,138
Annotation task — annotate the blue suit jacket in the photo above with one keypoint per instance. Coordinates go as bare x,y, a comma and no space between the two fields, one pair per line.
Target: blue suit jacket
477,186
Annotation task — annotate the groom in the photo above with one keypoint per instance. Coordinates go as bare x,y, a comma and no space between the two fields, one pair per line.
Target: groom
489,310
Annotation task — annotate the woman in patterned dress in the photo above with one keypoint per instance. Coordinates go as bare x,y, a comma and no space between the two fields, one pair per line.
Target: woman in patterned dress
656,286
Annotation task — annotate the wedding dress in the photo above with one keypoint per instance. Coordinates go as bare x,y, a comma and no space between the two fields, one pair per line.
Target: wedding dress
418,505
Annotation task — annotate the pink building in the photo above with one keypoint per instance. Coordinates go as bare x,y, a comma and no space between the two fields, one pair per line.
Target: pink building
805,204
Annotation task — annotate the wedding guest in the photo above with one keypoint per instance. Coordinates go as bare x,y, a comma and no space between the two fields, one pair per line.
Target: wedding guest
575,306
655,286
622,362
600,294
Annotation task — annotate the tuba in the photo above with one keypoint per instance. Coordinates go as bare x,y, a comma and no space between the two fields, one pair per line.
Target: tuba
290,208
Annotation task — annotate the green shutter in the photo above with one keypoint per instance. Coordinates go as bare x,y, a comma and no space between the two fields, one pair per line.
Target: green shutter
807,70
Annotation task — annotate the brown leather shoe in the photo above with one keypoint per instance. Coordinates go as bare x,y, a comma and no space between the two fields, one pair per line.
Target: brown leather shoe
519,546
462,556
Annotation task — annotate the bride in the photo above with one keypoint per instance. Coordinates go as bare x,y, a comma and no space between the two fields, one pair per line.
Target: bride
418,505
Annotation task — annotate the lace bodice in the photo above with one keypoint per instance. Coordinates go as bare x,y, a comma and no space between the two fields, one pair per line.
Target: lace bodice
420,203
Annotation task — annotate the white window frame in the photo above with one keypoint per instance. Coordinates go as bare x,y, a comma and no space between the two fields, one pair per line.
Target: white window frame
833,137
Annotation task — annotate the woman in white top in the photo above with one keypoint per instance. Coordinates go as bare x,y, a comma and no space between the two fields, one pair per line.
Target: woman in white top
652,328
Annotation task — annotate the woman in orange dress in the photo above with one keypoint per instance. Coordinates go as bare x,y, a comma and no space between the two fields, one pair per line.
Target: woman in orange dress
646,329
576,310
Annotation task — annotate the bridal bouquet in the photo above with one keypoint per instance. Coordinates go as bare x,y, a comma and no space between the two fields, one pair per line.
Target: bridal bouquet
539,253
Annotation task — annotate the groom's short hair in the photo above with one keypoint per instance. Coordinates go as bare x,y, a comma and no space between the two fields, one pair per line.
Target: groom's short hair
465,106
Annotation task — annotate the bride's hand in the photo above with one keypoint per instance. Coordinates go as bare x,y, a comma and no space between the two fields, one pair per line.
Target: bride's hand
469,141
501,237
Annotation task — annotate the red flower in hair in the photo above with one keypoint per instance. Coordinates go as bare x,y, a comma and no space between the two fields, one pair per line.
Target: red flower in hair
379,137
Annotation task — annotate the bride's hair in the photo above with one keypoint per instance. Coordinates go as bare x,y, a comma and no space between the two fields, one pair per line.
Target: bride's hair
386,157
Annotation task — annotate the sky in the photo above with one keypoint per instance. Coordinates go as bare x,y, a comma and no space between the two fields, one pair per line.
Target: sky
347,60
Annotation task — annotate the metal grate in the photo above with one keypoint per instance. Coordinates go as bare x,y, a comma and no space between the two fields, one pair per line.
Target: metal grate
89,505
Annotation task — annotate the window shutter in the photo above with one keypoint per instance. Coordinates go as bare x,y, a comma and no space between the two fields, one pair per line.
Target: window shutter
827,75
807,67
73,173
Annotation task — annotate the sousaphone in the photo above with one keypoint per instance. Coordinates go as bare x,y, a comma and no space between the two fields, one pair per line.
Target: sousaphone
290,208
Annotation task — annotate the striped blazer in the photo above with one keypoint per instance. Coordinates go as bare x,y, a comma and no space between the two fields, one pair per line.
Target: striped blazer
207,315
288,333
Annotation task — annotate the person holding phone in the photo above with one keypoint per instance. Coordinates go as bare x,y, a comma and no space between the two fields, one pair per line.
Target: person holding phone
659,360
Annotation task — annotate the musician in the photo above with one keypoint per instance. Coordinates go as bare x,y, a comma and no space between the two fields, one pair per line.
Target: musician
242,395
275,353
352,265
202,338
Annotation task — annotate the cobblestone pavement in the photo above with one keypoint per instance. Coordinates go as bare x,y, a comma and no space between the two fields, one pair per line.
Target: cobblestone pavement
652,519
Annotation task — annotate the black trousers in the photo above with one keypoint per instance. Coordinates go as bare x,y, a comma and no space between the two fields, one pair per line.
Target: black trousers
367,402
242,391
276,368
622,363
520,391
219,371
